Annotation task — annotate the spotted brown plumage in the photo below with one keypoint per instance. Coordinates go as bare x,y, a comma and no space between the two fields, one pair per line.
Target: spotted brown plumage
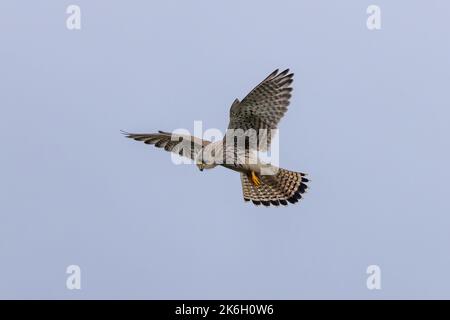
265,105
261,109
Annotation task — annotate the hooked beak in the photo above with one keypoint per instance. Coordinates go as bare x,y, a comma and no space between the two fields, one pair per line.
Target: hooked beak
201,169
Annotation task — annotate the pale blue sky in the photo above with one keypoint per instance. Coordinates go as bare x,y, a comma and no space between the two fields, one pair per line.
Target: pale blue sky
369,121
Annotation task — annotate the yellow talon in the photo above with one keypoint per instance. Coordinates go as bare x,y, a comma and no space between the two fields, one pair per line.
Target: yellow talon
256,181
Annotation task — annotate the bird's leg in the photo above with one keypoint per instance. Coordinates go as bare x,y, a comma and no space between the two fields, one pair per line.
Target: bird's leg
254,178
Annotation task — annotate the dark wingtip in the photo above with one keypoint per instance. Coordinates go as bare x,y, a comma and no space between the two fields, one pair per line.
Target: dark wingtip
284,72
272,75
126,134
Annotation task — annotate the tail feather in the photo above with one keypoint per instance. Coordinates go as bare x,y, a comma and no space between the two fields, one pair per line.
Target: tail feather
283,187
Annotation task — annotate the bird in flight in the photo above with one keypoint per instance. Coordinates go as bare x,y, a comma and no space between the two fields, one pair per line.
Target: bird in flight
259,112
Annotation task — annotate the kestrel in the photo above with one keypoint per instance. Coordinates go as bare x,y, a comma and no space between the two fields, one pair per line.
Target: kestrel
260,111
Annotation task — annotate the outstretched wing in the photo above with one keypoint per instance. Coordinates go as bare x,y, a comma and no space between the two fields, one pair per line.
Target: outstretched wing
184,145
265,105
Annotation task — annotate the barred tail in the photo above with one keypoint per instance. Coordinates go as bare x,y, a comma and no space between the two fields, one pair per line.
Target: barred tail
283,187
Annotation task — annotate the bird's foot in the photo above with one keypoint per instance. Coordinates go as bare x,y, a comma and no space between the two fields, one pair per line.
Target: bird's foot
255,179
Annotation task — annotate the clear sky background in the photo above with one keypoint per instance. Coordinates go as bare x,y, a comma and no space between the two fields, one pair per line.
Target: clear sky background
369,121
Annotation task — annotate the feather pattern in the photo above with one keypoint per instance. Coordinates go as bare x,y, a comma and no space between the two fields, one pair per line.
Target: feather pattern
184,145
264,106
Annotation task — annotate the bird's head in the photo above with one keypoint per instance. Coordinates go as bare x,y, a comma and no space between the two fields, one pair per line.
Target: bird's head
204,160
